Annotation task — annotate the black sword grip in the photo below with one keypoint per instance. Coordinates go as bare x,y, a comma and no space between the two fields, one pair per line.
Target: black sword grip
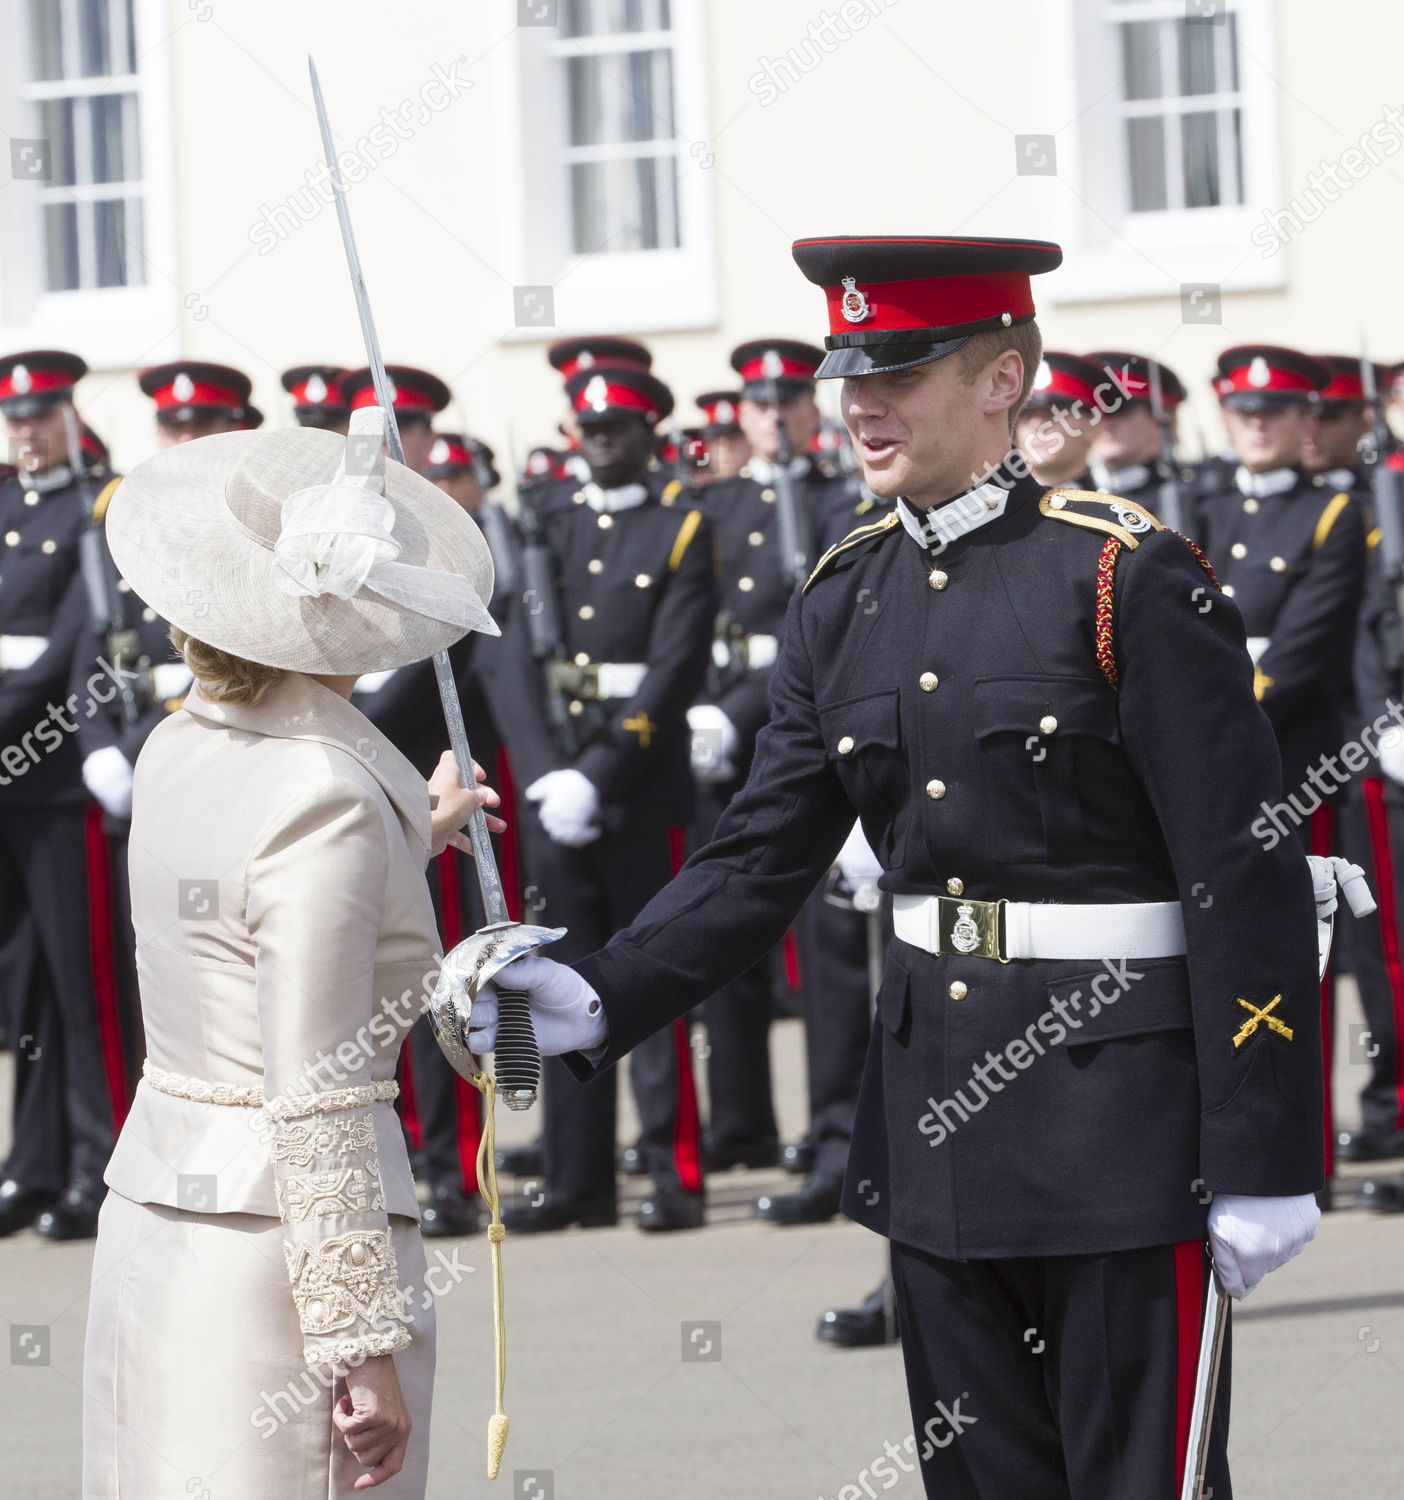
517,1059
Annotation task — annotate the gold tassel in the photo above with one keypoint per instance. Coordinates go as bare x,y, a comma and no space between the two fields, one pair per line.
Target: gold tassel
496,1233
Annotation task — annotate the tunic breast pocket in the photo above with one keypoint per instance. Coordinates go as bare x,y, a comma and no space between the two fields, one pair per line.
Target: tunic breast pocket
863,740
1047,744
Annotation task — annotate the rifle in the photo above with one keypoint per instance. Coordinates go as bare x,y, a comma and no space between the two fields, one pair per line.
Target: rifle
543,616
1170,509
1384,483
100,576
491,517
796,543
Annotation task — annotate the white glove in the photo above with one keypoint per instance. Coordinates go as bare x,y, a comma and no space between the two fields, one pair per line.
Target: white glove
1252,1236
1391,752
566,1013
1330,871
856,860
107,774
569,806
714,742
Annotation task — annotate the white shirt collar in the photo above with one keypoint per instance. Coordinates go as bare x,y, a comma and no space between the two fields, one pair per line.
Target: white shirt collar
1116,481
1260,486
763,471
626,497
940,525
1340,479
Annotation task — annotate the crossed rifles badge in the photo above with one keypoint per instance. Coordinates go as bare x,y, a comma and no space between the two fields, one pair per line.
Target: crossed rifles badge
1261,1014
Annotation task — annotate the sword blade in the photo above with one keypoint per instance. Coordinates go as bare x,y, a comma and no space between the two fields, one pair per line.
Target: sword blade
1206,1381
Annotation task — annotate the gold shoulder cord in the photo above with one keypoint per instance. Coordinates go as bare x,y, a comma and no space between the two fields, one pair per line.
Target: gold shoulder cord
496,1233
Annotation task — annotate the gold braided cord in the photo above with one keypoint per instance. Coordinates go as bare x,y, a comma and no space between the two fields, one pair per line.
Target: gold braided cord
496,1233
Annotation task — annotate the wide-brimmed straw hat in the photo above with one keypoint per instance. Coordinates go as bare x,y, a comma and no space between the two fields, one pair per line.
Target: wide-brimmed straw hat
302,549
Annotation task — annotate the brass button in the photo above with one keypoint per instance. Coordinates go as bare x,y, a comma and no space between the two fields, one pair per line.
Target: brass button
955,886
1227,589
576,706
579,497
929,682
1047,724
937,579
595,565
604,522
958,990
49,545
148,615
642,580
31,497
756,538
123,587
587,611
1278,564
745,584
767,494
1250,506
1238,550
1057,502
845,745
582,658
936,789
12,538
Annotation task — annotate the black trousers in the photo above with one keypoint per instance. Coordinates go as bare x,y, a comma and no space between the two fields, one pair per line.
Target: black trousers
63,1118
833,955
1372,835
1064,1377
594,892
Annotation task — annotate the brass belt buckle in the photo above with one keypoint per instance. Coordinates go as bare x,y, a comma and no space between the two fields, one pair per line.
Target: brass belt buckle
968,927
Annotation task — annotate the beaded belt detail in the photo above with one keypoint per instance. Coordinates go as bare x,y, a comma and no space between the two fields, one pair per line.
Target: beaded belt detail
250,1095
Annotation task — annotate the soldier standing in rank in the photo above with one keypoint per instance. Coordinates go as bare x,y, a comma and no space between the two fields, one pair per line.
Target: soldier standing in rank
403,703
1070,1049
727,448
1055,429
596,724
1129,445
67,1052
1292,553
318,400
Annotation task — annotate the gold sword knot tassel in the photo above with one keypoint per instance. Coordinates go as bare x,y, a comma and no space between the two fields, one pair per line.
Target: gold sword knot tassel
1261,1014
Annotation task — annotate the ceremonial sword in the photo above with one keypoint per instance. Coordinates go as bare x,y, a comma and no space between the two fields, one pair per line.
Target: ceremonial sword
500,939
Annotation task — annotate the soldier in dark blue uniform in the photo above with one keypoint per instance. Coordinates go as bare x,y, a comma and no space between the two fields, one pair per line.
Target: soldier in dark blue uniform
1051,745
727,448
1056,427
1127,457
63,1104
318,400
417,397
599,744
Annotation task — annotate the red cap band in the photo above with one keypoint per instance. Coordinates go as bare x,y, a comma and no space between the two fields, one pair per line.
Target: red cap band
34,382
773,365
1259,375
403,398
932,302
183,391
1346,385
600,393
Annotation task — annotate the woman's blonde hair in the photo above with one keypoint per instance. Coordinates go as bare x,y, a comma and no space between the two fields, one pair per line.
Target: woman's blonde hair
224,677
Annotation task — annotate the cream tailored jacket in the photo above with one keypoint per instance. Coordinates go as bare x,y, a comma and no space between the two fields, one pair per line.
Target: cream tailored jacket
285,943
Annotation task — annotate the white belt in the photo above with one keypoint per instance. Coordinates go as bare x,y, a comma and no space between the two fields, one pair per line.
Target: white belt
757,651
20,651
620,679
1040,930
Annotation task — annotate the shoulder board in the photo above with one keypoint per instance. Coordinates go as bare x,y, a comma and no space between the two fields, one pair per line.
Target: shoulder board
101,503
862,534
1107,514
671,491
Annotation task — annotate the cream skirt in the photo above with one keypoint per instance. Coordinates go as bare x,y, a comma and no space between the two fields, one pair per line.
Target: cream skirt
194,1385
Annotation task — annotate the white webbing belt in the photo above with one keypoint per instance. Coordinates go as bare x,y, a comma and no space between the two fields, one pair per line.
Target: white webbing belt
1049,930
620,679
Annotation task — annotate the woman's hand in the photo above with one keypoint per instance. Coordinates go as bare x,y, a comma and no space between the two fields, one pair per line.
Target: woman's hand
456,804
373,1420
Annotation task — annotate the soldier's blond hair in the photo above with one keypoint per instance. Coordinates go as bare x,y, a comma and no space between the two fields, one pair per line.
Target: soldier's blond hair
224,677
984,348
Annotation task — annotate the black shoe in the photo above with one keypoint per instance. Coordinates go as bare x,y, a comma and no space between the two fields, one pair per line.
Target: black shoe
815,1203
722,1156
798,1158
631,1161
1369,1145
75,1215
521,1161
449,1214
671,1208
875,1322
1384,1194
589,1210
21,1206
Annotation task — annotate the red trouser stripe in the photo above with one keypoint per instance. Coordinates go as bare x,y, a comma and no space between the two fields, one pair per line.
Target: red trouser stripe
469,1128
789,951
1321,822
408,1102
1190,1261
102,945
687,1124
1377,816
509,850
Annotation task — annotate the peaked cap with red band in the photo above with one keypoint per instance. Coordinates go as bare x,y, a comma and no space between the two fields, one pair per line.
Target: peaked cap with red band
93,447
1346,386
770,367
1066,380
603,391
1266,377
316,390
34,381
1132,374
719,408
589,350
183,389
414,393
452,453
250,419
901,301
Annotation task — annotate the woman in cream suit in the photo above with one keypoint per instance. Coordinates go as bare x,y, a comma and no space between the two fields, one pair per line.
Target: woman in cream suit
258,1325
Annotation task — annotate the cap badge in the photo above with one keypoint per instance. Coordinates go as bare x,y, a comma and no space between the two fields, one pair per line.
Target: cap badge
586,360
182,387
724,411
1044,378
21,380
597,392
855,305
439,453
1258,372
772,366
392,390
316,390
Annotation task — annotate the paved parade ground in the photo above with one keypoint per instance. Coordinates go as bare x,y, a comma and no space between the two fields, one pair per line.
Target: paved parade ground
685,1365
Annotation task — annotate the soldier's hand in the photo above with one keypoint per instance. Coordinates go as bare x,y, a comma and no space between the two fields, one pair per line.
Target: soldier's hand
452,805
714,742
1252,1236
569,806
566,1013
